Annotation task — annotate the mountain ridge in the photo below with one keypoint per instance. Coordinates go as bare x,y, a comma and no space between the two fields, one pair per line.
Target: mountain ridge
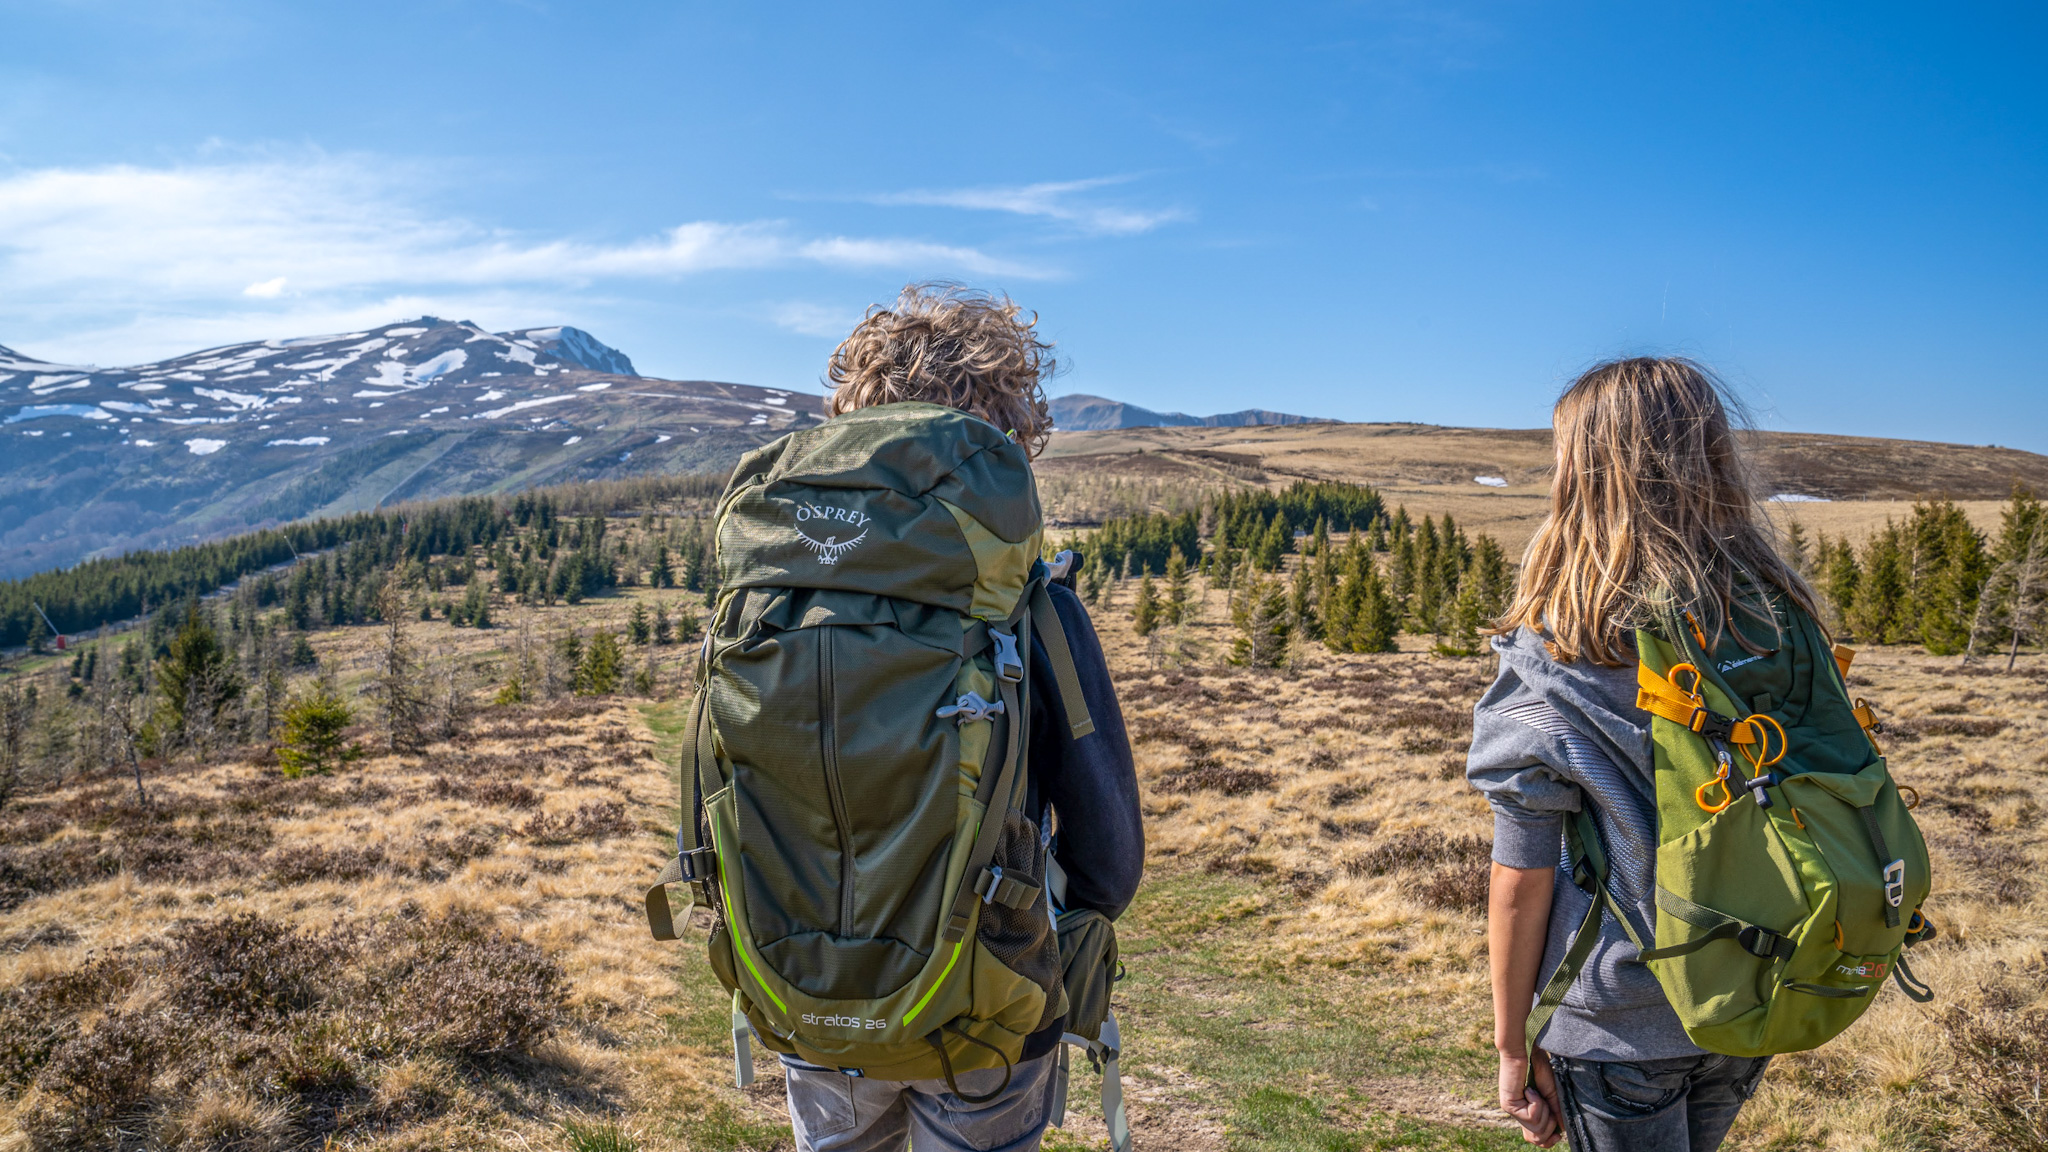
1081,412
245,435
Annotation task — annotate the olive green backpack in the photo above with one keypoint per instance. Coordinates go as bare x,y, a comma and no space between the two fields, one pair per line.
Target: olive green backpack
1790,873
855,781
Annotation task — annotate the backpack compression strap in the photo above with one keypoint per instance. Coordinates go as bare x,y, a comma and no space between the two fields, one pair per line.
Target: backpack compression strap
694,862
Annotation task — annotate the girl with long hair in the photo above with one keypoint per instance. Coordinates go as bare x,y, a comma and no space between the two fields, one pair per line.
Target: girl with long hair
1651,505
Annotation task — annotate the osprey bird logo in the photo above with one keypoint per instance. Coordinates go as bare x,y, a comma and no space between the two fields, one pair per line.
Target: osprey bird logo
831,548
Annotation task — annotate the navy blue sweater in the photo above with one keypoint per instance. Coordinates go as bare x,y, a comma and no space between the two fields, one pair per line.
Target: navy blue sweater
1090,782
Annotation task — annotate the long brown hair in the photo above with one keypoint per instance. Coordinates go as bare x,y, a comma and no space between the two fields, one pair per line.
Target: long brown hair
1651,503
950,345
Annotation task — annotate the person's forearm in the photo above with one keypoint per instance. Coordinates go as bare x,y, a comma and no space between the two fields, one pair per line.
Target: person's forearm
1517,927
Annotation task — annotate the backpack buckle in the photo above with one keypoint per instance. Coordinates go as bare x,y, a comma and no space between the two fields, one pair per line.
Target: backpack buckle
994,880
697,866
1009,665
1711,724
1895,883
1759,942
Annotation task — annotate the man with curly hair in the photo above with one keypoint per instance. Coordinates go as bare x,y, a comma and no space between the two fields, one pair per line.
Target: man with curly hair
979,353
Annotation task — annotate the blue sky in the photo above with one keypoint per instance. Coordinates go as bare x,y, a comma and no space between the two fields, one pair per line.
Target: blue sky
1369,211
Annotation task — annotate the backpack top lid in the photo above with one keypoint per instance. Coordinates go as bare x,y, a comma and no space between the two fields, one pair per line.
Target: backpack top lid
912,501
913,448
1793,678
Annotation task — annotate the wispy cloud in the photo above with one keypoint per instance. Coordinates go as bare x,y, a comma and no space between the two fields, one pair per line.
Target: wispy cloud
1052,200
112,250
808,319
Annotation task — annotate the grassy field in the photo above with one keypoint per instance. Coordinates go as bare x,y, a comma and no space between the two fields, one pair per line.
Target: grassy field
446,949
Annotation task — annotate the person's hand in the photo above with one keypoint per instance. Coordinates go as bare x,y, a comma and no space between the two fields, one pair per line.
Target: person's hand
1531,1100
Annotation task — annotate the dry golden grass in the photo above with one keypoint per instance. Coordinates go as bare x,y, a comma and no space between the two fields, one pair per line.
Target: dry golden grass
1308,954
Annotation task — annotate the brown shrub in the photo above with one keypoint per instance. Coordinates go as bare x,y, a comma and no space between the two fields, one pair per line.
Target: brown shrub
1914,727
1419,850
303,864
109,1069
595,820
1432,717
1213,776
496,793
461,988
1459,888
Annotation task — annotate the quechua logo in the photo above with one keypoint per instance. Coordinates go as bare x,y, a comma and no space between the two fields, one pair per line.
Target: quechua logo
830,532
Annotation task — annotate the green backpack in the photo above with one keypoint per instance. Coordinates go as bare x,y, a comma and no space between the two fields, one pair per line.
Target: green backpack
855,781
1790,873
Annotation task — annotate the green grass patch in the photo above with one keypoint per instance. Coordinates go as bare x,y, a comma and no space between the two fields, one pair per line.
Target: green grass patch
580,1136
720,1127
1287,1049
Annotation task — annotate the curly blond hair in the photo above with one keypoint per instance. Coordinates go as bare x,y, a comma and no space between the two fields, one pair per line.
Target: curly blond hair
949,345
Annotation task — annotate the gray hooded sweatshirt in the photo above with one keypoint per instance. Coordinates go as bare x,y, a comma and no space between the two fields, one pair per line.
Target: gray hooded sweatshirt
1548,738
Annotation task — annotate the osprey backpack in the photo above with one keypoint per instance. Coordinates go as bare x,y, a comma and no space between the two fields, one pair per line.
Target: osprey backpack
855,779
1790,872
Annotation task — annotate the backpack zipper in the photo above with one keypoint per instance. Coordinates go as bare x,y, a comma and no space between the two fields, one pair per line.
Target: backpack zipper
828,746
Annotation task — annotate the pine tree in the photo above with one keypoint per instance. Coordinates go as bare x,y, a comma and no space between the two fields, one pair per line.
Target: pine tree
1145,613
639,630
313,727
1949,566
1378,616
662,575
1879,616
603,665
1839,577
1262,624
1377,540
1175,610
1301,604
1794,549
1402,574
1432,595
663,631
399,688
1320,539
1273,544
196,682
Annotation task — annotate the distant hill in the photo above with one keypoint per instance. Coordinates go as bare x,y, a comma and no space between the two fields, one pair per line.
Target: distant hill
102,460
1083,413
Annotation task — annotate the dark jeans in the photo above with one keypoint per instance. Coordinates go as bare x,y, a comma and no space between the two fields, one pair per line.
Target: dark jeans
1682,1105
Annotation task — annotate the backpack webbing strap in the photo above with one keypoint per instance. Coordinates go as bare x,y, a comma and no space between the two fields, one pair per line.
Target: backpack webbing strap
1911,985
1583,939
1000,800
1894,867
1758,941
1045,621
696,867
946,1065
1103,1052
996,888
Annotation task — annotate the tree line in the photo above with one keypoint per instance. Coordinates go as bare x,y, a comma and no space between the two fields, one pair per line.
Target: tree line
111,589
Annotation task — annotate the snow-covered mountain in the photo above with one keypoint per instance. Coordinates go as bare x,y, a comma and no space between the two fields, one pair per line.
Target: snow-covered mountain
100,460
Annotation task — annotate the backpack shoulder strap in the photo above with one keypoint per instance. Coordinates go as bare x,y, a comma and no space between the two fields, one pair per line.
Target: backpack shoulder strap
1589,873
1045,621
